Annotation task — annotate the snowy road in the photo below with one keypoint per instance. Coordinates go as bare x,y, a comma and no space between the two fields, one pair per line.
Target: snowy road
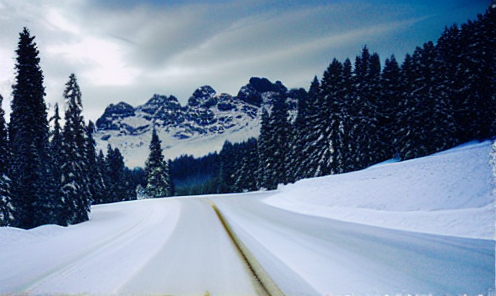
171,246
179,247
306,255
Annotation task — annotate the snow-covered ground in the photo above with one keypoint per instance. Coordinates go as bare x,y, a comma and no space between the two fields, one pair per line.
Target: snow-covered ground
309,255
165,246
423,226
448,193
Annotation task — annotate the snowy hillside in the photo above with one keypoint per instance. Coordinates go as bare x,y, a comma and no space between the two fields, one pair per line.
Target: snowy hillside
424,227
448,193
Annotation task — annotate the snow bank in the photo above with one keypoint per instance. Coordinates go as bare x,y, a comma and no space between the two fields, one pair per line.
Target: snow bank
116,242
448,193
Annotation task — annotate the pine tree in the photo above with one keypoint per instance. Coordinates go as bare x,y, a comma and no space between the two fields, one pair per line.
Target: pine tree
111,174
488,42
158,179
368,93
96,181
246,161
58,215
114,167
56,141
103,194
331,156
28,136
237,174
477,100
273,145
172,186
294,134
74,180
310,131
6,208
279,121
227,170
450,80
264,153
348,123
391,81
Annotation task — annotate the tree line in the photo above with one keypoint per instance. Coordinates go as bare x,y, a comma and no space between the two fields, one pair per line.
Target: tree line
51,174
361,113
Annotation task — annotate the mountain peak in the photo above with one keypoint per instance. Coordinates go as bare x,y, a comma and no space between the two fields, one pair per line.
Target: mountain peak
113,113
206,118
204,97
252,92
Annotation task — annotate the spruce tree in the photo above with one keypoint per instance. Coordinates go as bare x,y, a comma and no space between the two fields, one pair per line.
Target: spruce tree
347,127
433,134
309,132
228,168
56,141
368,93
74,180
264,153
103,194
450,81
6,208
477,104
112,175
28,136
391,92
246,161
95,178
279,121
400,142
250,163
115,172
298,137
331,155
273,145
158,179
58,215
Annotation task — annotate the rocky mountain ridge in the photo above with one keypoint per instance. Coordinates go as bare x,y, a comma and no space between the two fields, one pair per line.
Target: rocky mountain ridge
199,127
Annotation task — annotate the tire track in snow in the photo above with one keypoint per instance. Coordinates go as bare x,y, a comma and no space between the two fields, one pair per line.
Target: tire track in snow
86,259
265,284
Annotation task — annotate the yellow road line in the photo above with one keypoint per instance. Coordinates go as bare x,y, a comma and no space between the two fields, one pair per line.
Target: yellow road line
267,285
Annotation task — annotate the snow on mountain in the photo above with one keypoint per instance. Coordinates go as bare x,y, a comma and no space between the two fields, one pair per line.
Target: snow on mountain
200,127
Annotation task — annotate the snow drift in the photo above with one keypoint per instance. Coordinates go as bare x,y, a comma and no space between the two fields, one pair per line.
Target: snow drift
448,193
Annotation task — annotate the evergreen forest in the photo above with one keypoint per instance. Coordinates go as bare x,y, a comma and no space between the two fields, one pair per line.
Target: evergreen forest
361,112
51,174
364,112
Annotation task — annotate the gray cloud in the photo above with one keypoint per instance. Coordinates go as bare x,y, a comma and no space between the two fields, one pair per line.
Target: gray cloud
129,50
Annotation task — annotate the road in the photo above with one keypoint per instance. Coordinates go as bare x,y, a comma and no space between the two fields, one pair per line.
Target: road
304,253
166,246
179,246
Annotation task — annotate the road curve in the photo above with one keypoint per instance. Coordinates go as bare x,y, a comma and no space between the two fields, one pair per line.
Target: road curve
174,246
308,255
179,246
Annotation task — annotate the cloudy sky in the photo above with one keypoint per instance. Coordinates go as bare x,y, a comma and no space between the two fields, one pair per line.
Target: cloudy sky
129,50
